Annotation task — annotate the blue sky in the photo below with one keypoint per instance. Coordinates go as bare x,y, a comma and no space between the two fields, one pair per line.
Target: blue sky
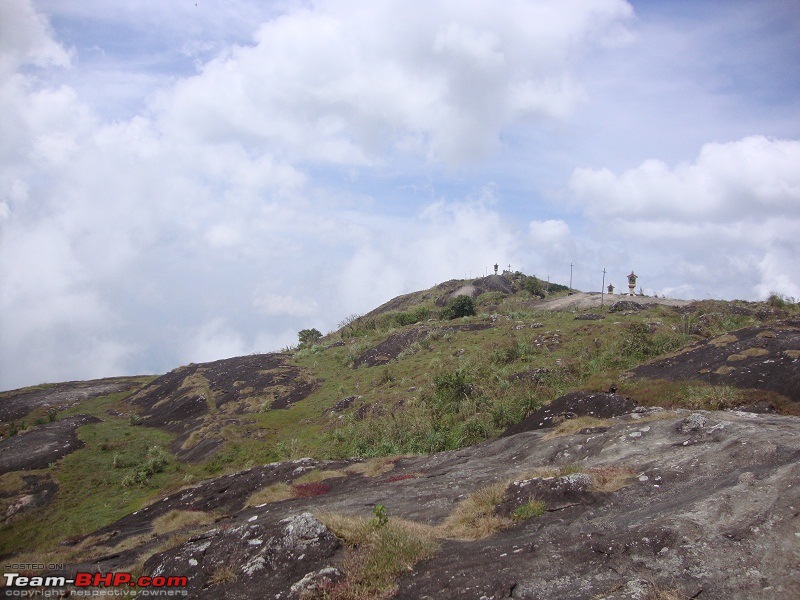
186,182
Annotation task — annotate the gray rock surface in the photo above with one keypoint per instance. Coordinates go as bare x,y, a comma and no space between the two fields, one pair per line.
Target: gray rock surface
710,509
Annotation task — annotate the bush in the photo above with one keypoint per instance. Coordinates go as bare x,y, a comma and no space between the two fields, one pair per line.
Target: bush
308,336
460,306
415,315
534,286
779,300
155,462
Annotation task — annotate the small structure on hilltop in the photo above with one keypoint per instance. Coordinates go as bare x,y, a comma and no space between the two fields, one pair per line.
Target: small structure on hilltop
632,283
610,288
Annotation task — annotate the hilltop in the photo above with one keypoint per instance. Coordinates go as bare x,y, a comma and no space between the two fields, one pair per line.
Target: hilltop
550,445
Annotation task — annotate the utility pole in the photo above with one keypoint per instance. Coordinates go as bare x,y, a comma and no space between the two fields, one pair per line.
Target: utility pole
602,287
570,278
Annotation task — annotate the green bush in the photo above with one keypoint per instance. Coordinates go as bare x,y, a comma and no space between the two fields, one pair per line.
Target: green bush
155,461
415,315
534,286
460,306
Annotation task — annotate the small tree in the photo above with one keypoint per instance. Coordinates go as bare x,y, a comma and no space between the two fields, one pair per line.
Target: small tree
308,336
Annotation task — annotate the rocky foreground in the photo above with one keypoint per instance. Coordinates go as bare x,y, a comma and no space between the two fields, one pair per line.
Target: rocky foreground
694,504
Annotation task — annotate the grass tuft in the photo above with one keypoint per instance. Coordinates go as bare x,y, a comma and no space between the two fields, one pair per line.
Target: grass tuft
474,518
534,508
376,556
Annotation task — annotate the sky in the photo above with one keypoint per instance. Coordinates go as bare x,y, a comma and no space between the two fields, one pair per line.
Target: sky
186,181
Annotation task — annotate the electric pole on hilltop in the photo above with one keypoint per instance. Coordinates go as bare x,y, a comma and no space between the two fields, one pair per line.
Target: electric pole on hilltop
570,278
602,287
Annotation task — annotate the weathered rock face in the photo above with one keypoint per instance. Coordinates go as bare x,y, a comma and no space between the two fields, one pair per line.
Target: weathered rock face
625,305
16,404
575,404
198,400
711,511
255,558
765,357
392,346
706,504
37,448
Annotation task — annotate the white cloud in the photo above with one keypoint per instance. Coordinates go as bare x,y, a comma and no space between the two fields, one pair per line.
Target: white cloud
25,39
347,81
278,304
214,340
753,177
735,210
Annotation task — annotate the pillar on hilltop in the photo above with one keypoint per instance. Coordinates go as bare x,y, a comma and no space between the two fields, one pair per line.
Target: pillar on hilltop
632,282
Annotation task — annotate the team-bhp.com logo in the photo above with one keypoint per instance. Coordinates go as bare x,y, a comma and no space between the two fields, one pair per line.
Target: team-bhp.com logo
87,584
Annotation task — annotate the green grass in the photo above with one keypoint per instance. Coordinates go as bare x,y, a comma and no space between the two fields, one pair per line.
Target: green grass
91,490
454,390
534,508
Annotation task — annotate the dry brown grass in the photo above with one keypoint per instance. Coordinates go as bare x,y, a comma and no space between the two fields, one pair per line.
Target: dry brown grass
474,518
377,555
272,493
749,353
222,574
570,426
315,476
179,519
658,593
544,472
375,466
610,478
723,340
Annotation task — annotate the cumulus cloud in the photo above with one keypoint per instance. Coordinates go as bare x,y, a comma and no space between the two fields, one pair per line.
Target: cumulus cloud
277,304
753,177
344,82
728,220
26,39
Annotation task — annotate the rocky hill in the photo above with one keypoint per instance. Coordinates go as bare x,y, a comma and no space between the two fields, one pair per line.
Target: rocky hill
551,445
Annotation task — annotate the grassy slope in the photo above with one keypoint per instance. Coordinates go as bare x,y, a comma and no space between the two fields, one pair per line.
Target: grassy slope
450,390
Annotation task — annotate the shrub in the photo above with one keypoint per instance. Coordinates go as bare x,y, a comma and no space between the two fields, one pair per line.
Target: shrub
460,306
155,462
381,516
534,286
415,315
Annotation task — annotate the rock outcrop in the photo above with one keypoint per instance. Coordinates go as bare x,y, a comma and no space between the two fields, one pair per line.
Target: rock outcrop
704,504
